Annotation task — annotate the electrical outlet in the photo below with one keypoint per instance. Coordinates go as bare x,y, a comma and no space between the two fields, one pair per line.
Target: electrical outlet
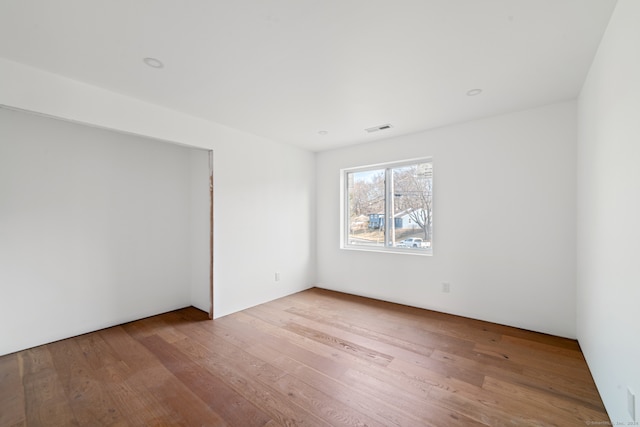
446,287
277,276
631,404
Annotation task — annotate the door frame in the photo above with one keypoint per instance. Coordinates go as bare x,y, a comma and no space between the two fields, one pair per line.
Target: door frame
210,234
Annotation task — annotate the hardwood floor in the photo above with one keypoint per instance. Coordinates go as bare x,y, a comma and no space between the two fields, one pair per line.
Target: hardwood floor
316,358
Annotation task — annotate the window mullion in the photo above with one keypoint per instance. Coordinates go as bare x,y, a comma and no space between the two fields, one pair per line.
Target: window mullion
389,229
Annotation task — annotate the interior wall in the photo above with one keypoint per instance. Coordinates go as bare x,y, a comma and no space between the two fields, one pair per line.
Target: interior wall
608,214
504,222
264,191
263,214
199,229
94,229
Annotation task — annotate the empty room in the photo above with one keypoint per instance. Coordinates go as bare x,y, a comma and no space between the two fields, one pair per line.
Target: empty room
319,213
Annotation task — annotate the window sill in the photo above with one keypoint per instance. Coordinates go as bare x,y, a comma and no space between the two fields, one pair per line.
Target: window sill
399,251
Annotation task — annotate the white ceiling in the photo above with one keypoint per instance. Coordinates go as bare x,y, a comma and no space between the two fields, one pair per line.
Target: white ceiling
287,69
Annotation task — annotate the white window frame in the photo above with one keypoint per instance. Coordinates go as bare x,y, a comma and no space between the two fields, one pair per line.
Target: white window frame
388,210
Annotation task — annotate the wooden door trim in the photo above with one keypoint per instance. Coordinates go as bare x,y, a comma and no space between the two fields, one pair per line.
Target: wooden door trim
210,234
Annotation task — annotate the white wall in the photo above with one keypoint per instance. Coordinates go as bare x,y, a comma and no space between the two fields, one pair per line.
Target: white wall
94,229
267,185
609,213
199,229
504,222
263,213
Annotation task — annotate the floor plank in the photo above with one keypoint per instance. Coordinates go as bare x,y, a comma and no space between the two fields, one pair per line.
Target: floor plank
315,358
12,403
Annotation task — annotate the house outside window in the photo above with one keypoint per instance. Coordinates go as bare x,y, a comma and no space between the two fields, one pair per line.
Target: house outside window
400,190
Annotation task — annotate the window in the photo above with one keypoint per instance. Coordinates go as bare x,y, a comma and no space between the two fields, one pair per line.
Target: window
402,191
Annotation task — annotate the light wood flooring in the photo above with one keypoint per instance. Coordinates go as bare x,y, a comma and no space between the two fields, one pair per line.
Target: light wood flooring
316,358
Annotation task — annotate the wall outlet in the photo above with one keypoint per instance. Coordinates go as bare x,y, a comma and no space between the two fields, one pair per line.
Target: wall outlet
631,404
446,287
277,276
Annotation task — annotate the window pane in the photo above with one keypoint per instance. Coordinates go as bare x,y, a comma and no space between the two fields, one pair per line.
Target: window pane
390,207
366,208
412,205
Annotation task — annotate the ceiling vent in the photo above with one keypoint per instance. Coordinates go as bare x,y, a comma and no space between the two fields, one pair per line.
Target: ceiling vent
377,128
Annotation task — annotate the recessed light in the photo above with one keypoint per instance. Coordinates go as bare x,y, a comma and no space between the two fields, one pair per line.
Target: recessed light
153,62
323,132
474,92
